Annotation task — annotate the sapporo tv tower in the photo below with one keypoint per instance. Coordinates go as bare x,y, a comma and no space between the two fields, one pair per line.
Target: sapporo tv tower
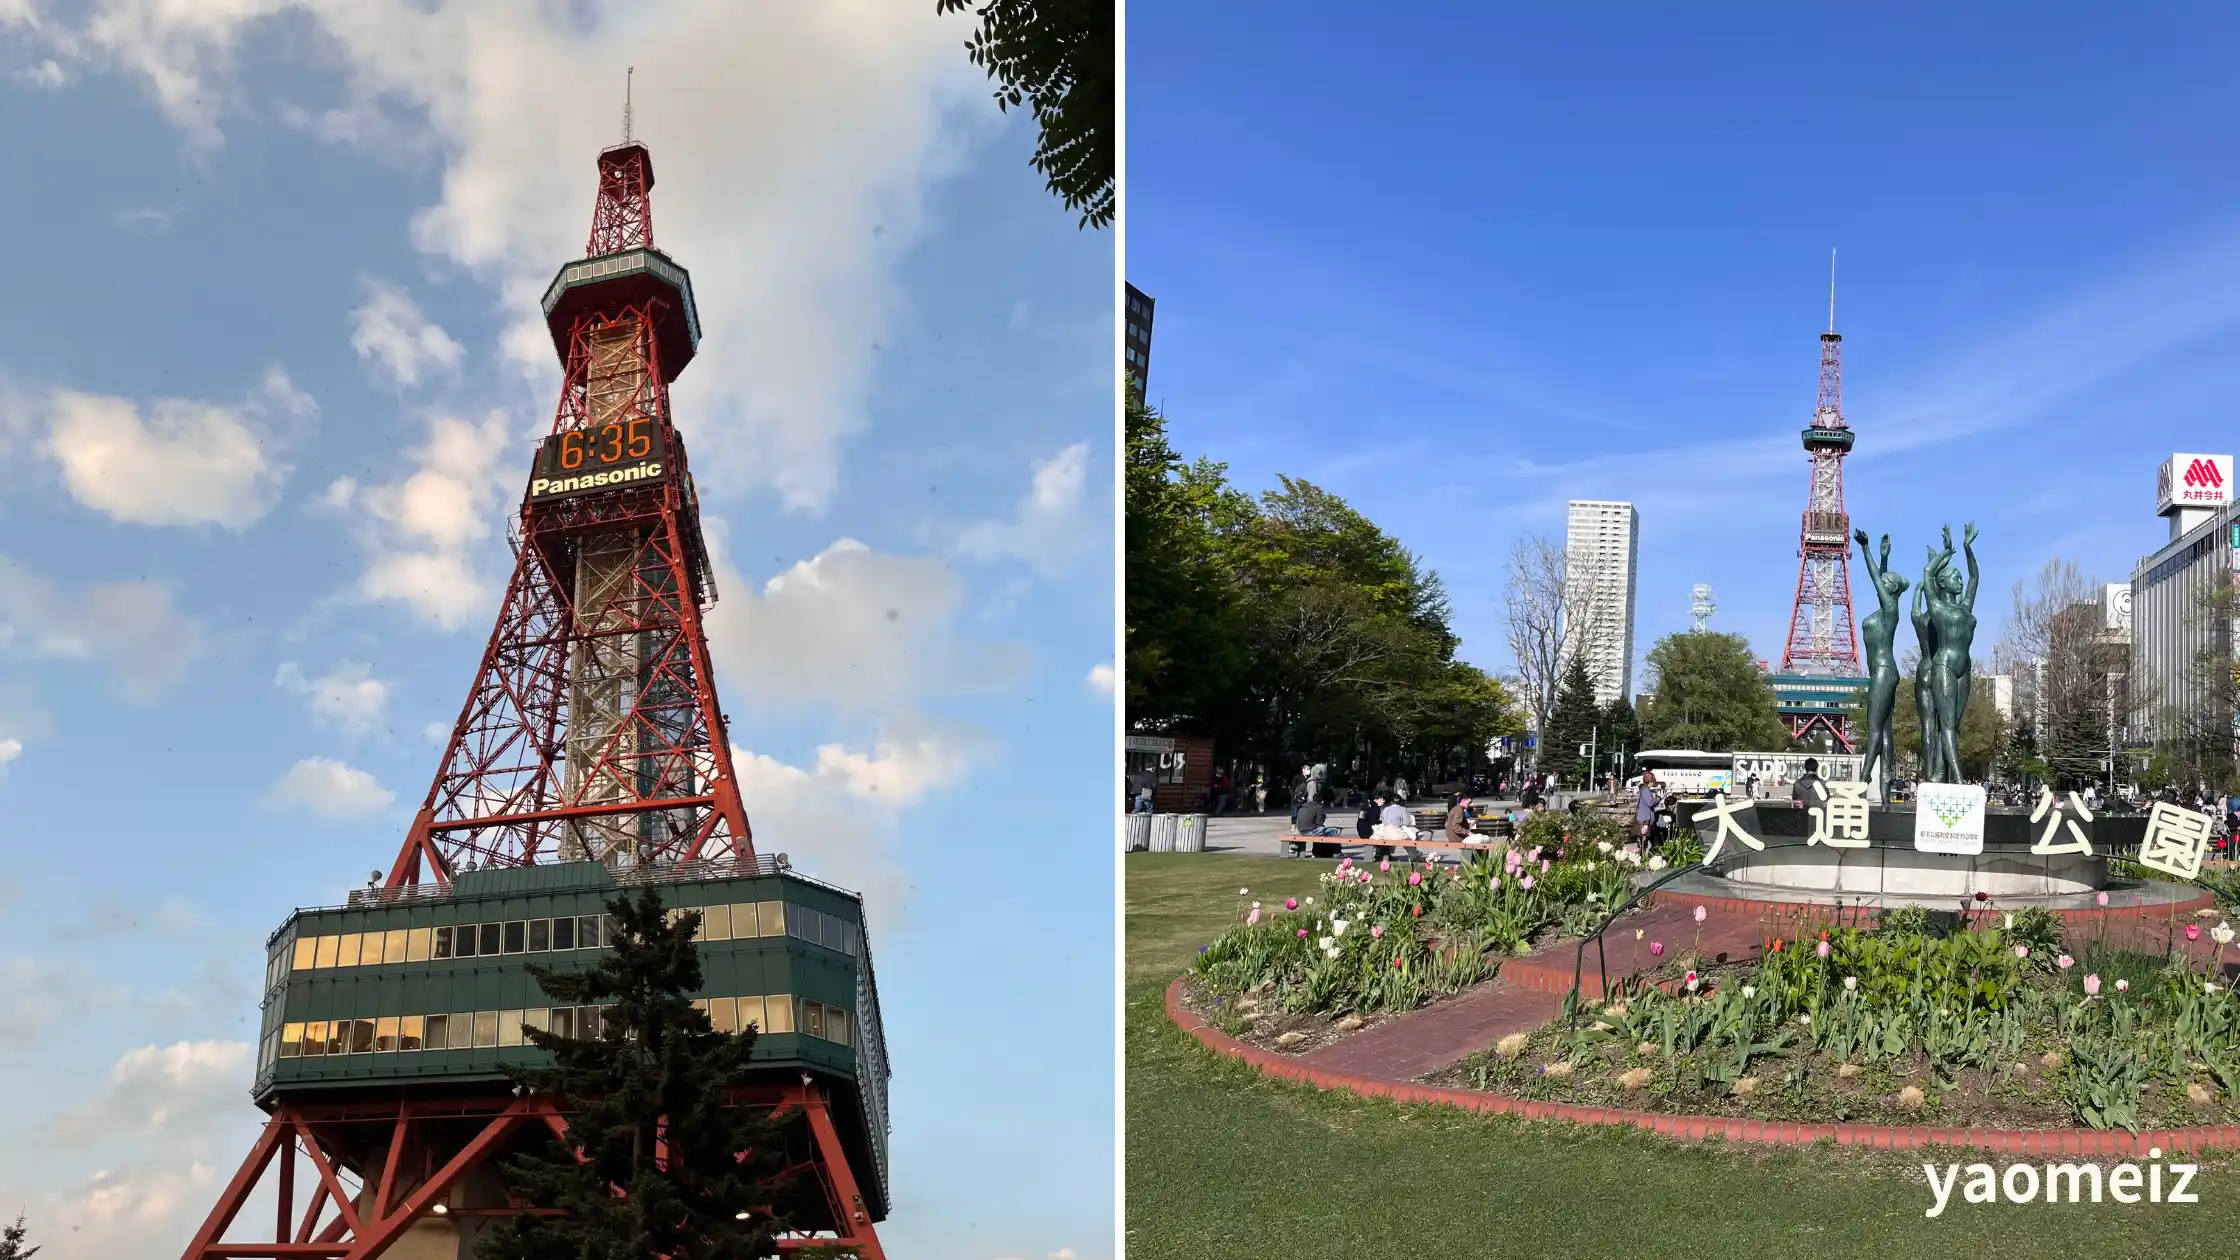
591,754
1820,670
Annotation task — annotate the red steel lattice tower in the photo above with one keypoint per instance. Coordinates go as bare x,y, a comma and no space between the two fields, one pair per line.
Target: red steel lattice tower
1823,642
592,729
591,733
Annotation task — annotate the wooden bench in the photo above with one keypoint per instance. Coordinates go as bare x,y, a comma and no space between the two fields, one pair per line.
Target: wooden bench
1344,839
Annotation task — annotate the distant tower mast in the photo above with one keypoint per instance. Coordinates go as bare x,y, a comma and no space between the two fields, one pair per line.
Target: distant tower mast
1700,607
1822,639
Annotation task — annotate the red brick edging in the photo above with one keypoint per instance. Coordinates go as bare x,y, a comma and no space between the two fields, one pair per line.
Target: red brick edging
2023,1142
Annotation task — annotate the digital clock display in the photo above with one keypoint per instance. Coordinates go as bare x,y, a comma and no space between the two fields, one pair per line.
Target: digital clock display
611,456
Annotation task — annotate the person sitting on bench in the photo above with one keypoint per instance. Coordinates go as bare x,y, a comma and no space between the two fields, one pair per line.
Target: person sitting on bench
1394,824
1309,821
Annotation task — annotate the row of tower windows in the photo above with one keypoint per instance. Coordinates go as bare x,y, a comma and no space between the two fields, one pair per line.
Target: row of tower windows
743,921
477,1030
465,940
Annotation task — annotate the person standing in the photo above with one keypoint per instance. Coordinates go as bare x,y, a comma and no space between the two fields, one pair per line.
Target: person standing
1753,785
1147,785
1399,789
1808,790
1645,808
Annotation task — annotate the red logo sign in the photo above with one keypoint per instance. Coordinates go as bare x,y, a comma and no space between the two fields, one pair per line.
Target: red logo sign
2203,473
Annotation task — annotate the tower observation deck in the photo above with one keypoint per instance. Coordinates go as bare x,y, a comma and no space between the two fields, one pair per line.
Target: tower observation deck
590,757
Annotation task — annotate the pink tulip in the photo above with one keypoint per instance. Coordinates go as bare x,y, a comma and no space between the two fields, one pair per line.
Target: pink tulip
1252,918
2064,962
2092,986
1822,949
1346,865
2102,899
1544,865
2193,931
1702,914
1302,934
1385,865
1414,878
1526,882
2022,951
1376,931
1290,903
1656,949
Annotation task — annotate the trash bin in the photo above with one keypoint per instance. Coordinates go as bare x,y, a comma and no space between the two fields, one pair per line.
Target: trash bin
1190,833
1138,834
1162,832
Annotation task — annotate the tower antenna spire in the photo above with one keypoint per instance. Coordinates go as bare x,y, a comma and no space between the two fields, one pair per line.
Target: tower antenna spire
1831,283
630,73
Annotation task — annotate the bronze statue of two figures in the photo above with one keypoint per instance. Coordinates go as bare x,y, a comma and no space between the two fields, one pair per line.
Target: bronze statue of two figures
1944,623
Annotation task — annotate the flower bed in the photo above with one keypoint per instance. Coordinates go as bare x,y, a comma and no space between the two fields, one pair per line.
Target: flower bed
1393,937
2001,1024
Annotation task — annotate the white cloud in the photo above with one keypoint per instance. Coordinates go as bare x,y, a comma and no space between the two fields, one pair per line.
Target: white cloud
160,1088
330,788
852,627
47,74
793,142
349,697
176,462
1101,680
129,627
898,770
390,330
1052,528
419,533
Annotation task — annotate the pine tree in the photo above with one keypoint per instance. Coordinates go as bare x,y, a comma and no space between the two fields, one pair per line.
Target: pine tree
11,1242
1572,724
656,1075
1621,732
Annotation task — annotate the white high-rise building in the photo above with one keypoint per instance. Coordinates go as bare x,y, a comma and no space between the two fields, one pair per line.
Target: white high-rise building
1600,547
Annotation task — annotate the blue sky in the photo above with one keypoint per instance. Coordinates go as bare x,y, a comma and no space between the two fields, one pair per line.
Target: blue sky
270,377
1463,263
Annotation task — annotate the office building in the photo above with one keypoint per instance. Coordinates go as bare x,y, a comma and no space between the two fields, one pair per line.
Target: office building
1600,549
1135,350
2166,606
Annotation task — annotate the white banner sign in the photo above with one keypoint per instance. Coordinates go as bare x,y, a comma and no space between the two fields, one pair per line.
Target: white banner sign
1948,818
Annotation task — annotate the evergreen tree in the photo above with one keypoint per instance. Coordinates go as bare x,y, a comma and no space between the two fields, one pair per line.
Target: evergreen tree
11,1242
655,1076
1621,732
1571,724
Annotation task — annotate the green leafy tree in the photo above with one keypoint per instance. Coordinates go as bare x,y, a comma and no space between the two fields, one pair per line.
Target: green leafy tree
12,1242
1056,56
657,1076
1290,627
1709,694
1572,724
1186,644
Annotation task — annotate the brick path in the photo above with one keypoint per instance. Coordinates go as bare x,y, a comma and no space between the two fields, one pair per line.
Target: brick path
1429,1039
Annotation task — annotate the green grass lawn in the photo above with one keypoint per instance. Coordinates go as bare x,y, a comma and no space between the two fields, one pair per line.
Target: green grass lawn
1222,1162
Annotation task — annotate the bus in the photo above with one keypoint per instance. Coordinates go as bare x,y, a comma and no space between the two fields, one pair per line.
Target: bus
1684,771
